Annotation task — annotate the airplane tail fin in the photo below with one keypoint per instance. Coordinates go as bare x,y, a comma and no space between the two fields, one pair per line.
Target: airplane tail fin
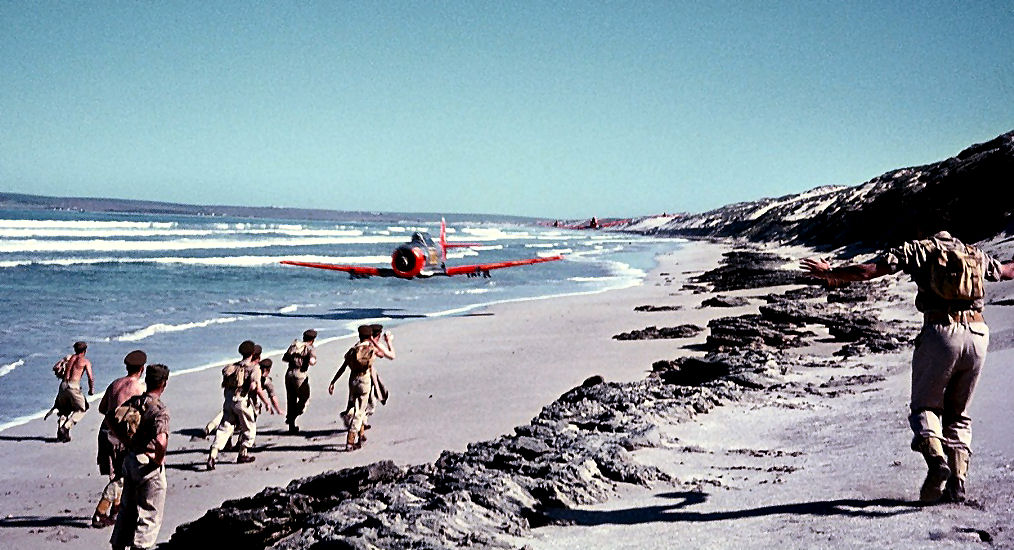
444,245
443,240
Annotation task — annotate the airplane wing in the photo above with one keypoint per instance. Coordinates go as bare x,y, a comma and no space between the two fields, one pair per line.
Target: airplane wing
354,270
481,268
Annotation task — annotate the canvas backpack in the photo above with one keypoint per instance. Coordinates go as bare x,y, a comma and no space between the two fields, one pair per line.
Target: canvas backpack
233,376
956,271
127,417
296,356
60,368
359,357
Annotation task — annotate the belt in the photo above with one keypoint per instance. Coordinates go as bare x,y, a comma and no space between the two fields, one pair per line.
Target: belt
947,318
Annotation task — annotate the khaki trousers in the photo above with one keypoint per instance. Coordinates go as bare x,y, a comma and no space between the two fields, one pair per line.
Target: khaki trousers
71,405
358,406
297,393
141,505
237,416
945,369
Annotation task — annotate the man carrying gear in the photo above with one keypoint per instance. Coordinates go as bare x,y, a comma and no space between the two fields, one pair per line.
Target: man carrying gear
359,360
300,356
949,351
241,385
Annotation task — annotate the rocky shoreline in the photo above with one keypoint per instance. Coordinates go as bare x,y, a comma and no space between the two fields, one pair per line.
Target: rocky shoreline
580,448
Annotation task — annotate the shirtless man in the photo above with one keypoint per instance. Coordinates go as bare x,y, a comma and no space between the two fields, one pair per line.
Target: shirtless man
70,402
111,450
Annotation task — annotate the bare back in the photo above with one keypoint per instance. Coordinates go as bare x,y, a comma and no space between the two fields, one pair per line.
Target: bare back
79,365
119,391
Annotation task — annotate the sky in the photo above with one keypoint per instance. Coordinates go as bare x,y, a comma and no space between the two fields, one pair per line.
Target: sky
539,108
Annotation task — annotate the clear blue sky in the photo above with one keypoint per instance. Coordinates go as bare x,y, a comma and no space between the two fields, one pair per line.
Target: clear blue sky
551,109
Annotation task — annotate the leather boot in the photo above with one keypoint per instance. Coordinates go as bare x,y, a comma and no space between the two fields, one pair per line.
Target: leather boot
937,470
350,441
244,456
957,460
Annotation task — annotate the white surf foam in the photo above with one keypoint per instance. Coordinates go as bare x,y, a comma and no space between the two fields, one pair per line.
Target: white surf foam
159,328
221,261
9,368
84,224
103,245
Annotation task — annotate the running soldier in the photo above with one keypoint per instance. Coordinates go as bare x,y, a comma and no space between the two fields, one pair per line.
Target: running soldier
241,385
300,356
359,360
142,424
71,404
111,450
949,351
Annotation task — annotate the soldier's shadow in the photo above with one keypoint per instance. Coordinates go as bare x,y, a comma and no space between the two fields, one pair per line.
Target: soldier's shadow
678,511
44,521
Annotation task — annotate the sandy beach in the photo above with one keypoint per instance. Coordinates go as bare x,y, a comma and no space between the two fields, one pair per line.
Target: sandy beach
799,470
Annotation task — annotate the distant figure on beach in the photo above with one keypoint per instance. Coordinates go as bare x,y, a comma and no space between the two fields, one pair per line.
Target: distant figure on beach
359,360
71,404
949,351
142,424
241,386
111,450
300,356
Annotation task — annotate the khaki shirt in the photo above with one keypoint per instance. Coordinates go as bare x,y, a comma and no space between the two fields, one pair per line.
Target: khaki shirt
154,421
913,258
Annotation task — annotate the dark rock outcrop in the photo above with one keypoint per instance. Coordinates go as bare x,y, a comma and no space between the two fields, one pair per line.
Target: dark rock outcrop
655,333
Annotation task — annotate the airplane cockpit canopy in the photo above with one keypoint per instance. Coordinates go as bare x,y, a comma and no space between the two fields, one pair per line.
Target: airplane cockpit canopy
423,239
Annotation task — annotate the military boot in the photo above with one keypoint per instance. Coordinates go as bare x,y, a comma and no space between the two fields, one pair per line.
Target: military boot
937,470
244,456
957,459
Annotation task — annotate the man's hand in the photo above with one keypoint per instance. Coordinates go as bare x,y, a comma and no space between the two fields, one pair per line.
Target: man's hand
821,269
330,389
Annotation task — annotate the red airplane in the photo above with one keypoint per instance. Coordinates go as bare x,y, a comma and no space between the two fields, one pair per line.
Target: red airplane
422,258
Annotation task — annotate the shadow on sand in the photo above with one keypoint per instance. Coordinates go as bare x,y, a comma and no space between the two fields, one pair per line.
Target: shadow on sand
19,438
44,521
850,507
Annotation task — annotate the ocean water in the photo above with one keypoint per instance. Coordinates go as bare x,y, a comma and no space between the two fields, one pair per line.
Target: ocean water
188,289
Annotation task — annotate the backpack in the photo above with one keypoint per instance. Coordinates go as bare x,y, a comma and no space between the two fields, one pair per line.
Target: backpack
359,358
127,417
956,270
296,356
60,368
233,376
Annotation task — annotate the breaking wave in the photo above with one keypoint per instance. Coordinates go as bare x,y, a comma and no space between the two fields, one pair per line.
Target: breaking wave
7,369
220,261
159,328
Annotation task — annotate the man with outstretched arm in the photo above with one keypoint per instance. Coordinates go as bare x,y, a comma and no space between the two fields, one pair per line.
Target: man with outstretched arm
949,351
